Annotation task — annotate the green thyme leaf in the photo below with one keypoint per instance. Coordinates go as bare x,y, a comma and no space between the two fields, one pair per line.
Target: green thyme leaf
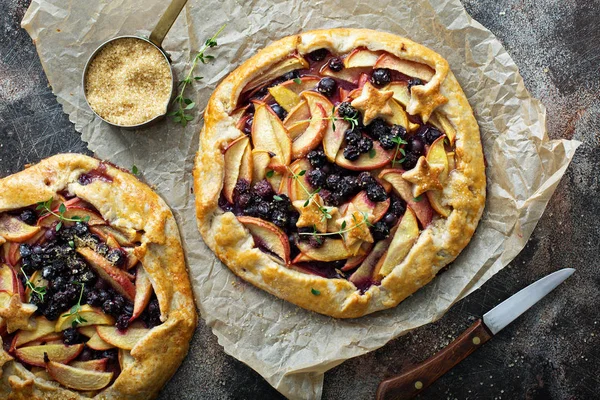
134,170
418,198
315,291
343,225
58,226
277,198
301,172
372,153
62,208
297,81
270,174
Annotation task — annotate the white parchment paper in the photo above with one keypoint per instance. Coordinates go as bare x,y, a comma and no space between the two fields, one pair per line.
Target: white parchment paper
290,347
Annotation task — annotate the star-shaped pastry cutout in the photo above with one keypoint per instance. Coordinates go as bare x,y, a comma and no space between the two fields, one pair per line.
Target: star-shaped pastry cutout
355,225
15,313
424,176
373,103
313,213
423,100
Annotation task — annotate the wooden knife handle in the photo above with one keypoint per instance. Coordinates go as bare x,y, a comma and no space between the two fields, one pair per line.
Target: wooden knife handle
414,381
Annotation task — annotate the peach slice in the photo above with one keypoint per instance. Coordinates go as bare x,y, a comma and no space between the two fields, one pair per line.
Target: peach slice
440,121
295,191
246,167
43,327
38,281
333,138
351,75
96,343
405,237
305,83
375,211
420,206
233,163
365,162
363,276
11,253
399,116
361,58
88,331
285,97
123,340
92,316
125,236
78,378
301,258
313,135
48,220
332,250
143,292
34,355
283,67
117,278
7,279
269,134
125,359
268,236
260,164
274,179
12,229
408,68
356,260
437,155
91,365
298,117
51,338
401,93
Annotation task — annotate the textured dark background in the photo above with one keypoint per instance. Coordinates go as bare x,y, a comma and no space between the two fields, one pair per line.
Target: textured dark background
552,352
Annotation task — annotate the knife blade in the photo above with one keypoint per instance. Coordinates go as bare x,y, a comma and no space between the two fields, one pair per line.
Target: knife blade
419,377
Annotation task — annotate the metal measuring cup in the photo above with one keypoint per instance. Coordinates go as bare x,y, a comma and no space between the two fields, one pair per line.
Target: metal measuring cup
156,38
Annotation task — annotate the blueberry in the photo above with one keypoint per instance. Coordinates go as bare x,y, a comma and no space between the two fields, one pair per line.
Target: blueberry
365,179
51,312
86,277
241,186
116,257
380,231
352,136
381,77
293,219
28,216
387,141
292,75
414,82
365,144
247,129
398,131
37,249
390,219
48,272
263,189
335,64
25,250
316,178
415,145
317,158
243,200
80,228
277,109
110,354
327,86
377,128
315,241
103,295
93,298
428,134
279,218
332,181
123,322
59,283
410,160
318,55
347,186
110,307
351,152
71,336
345,109
397,206
376,192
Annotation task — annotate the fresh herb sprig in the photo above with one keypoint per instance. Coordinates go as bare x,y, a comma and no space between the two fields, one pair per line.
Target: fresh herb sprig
182,115
343,228
40,290
46,208
75,310
311,195
399,142
353,121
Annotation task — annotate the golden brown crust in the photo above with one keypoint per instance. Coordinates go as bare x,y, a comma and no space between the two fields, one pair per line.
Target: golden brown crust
439,244
125,202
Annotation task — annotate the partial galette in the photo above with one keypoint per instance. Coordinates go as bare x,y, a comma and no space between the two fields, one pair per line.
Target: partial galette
339,170
95,300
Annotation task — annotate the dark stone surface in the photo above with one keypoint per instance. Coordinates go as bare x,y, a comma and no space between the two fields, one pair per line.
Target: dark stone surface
552,352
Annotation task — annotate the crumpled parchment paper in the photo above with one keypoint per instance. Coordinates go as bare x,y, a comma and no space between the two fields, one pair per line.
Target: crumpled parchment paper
290,347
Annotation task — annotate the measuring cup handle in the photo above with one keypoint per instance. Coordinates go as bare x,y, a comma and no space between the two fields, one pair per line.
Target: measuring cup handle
166,21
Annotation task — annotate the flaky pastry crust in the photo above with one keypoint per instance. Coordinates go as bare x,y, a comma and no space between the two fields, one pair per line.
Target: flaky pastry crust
438,244
128,203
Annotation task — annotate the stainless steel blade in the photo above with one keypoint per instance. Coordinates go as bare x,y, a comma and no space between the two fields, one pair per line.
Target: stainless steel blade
507,311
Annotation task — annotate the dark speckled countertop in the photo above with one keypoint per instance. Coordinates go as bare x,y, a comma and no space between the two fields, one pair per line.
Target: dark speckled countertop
552,352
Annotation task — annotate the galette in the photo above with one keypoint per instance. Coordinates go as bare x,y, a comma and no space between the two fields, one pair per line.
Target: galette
339,170
95,300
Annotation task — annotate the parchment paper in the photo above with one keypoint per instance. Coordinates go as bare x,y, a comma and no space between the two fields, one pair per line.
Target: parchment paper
290,347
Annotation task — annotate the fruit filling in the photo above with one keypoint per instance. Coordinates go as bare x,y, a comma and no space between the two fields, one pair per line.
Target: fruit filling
74,298
330,174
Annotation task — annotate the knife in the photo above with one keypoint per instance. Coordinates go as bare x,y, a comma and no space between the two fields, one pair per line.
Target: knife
414,381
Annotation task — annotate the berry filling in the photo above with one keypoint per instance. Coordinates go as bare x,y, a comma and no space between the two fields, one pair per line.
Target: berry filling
332,176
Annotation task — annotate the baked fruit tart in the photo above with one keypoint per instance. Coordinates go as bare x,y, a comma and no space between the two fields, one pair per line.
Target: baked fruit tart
95,298
339,170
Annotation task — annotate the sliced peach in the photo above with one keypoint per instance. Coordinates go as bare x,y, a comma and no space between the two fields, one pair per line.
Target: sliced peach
440,121
92,316
313,135
331,250
362,278
78,378
123,340
298,117
48,220
351,75
117,278
420,206
34,355
51,338
333,138
233,162
295,190
143,292
405,237
408,68
246,167
365,162
43,327
124,236
294,62
401,93
260,164
12,229
125,359
375,211
97,343
305,83
91,365
7,279
356,260
399,116
437,155
285,97
361,58
132,259
269,134
38,281
274,179
112,243
12,253
301,258
88,331
268,236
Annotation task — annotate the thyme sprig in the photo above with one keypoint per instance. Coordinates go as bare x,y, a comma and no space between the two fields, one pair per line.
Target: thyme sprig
311,195
46,208
184,105
76,309
353,121
40,290
398,141
342,229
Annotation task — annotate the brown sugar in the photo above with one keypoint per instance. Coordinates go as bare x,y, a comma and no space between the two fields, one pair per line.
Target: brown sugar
128,82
